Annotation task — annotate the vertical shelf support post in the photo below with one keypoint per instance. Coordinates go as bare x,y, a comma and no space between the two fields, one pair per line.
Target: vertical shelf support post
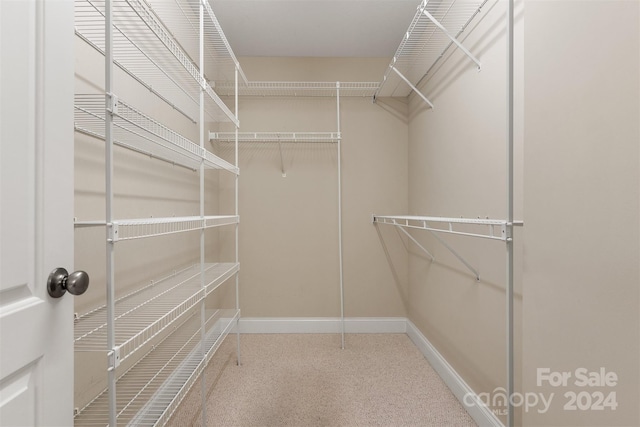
237,212
110,273
203,305
340,214
509,240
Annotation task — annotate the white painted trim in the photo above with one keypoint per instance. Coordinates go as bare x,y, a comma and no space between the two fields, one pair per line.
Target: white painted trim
322,325
480,413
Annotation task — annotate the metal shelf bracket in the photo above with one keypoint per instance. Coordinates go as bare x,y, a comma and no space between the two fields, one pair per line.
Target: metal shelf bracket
412,86
112,103
114,358
415,241
486,229
452,38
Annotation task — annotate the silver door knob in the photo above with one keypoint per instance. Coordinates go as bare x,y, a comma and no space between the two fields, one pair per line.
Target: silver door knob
60,281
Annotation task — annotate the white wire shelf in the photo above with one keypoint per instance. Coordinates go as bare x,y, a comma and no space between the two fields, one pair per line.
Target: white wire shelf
149,392
136,131
302,89
320,137
495,229
144,313
182,18
128,229
435,26
146,50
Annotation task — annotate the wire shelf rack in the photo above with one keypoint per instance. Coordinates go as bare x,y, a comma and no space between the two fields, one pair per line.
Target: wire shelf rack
425,43
149,392
136,131
494,229
182,18
128,229
143,314
147,51
320,137
302,89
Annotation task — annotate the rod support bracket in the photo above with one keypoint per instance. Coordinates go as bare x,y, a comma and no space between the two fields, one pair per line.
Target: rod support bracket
114,358
112,103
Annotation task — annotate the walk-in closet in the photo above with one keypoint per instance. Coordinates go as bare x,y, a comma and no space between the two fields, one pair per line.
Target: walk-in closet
320,213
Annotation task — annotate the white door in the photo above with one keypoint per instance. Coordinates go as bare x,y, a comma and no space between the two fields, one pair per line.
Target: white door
36,211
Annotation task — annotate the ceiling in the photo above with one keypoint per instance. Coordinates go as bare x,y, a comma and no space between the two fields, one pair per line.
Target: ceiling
314,28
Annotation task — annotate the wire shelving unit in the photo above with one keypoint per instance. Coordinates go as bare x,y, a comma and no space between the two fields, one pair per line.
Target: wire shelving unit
143,48
174,49
138,132
152,389
143,314
435,28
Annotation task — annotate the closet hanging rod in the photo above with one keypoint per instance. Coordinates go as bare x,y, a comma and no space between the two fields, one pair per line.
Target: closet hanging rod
299,89
276,136
129,229
494,229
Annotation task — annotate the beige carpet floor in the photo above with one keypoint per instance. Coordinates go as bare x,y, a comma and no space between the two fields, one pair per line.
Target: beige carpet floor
307,380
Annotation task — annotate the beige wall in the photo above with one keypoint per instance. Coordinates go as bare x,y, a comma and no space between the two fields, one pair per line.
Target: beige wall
582,139
577,181
288,231
457,168
577,175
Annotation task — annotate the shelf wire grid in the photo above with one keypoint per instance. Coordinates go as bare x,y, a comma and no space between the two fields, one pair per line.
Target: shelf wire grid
302,89
136,131
424,44
149,392
182,18
494,229
318,137
143,314
146,50
129,229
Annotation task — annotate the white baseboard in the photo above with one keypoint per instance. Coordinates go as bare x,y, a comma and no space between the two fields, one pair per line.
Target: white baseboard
322,325
480,413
